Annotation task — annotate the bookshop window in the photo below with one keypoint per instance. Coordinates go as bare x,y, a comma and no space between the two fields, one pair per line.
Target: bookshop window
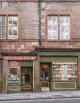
44,72
67,71
13,76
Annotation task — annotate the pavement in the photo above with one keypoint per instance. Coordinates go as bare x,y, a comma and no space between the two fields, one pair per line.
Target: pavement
40,95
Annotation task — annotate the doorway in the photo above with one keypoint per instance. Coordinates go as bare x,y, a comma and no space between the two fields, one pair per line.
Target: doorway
26,79
45,76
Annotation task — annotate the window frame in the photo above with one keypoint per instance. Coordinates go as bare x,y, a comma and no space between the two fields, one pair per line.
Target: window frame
58,15
70,76
6,14
12,37
11,76
3,26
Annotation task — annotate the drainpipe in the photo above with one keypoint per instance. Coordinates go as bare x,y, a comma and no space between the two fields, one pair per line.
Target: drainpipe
39,12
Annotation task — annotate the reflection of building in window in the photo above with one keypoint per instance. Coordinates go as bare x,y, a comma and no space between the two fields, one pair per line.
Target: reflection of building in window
44,71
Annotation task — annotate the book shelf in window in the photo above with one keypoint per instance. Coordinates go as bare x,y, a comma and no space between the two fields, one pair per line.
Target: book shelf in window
61,71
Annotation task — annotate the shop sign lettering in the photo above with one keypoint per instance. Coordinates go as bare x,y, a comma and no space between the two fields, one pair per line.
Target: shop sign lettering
19,57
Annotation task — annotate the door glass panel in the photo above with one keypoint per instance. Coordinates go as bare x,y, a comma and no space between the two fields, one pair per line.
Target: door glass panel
25,75
44,72
45,80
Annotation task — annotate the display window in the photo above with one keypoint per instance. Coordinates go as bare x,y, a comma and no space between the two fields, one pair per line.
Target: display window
64,71
13,76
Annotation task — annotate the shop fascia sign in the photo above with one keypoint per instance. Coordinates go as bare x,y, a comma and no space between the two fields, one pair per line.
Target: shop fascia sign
19,57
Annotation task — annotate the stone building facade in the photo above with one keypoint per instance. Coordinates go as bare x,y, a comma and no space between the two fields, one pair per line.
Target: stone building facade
18,41
39,45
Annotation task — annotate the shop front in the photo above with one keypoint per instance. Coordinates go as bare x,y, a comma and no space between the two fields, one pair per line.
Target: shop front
19,76
58,73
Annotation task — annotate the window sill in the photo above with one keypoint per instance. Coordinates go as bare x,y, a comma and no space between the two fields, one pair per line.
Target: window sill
70,40
18,40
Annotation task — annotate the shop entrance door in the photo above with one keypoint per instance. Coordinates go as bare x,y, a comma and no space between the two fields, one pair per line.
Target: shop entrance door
26,79
45,77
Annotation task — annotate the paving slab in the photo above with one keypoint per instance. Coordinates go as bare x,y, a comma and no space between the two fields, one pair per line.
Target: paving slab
40,95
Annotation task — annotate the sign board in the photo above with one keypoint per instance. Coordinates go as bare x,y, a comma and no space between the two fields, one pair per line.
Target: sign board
19,57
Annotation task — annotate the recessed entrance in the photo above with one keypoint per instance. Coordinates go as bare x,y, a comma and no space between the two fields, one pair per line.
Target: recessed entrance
45,77
26,79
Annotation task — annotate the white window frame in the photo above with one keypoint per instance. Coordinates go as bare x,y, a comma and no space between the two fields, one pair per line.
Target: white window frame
64,37
1,36
12,36
58,28
54,25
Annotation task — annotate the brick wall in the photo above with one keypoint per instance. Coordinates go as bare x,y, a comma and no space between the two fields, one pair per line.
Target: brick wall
28,25
20,46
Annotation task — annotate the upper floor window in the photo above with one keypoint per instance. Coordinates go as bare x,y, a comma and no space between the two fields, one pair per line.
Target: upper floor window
9,27
2,27
58,27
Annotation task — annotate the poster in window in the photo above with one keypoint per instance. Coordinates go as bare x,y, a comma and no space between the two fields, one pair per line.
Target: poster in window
13,76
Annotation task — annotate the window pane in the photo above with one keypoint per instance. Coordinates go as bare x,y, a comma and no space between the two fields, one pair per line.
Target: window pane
15,18
12,18
2,32
26,75
10,30
15,23
2,27
13,76
10,22
64,71
13,27
2,20
44,71
64,27
52,27
14,31
13,71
